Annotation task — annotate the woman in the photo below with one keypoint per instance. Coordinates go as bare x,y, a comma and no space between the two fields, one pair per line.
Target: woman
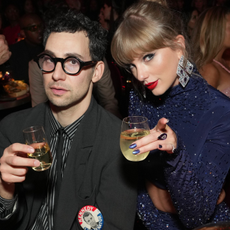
182,178
211,38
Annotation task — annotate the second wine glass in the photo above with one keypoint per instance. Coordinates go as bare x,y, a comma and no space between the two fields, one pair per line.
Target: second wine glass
133,128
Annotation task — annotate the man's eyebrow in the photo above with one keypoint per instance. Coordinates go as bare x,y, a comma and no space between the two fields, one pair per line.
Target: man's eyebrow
75,55
49,52
65,55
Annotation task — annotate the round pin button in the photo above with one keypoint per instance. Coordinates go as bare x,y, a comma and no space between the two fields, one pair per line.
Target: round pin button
89,217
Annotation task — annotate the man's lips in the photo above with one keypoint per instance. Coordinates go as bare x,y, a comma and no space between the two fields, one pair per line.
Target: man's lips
151,85
58,91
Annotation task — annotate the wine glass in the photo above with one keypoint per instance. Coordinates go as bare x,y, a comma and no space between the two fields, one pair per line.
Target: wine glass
35,137
133,128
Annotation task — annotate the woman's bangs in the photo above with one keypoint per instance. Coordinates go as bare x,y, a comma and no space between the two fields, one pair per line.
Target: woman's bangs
133,40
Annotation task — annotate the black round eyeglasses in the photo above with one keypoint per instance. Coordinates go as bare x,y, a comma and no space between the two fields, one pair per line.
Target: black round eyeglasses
70,65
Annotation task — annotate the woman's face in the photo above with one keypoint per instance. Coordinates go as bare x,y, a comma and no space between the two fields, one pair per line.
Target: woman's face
157,69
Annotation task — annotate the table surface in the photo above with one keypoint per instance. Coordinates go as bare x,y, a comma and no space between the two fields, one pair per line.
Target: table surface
8,103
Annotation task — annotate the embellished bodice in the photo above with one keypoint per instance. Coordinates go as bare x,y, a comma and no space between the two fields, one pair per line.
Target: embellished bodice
199,115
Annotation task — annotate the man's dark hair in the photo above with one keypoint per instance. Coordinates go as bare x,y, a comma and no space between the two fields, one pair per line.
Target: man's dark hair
64,19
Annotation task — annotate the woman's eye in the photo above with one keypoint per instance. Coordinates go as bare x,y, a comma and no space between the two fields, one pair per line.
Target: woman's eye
148,57
131,67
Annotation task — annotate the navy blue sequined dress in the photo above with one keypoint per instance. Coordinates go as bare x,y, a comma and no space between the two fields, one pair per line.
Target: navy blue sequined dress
194,175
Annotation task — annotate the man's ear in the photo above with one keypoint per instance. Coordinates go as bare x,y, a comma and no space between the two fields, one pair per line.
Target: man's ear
98,71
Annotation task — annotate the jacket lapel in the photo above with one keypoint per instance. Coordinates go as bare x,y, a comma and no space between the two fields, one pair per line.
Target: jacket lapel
71,200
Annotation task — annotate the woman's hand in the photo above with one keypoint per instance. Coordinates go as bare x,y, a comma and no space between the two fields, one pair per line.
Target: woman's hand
161,137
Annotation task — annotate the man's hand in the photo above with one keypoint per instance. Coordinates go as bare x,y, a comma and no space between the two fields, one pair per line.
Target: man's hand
14,166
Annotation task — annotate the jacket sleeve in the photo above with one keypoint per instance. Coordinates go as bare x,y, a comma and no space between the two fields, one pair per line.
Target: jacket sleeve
195,185
12,220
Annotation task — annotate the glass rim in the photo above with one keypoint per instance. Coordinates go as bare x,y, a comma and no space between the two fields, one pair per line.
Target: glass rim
33,128
144,119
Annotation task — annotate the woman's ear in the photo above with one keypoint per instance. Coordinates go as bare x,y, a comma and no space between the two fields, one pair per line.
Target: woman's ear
180,40
98,71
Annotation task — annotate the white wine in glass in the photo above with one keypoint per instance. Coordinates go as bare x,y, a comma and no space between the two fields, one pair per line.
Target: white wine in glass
35,137
133,128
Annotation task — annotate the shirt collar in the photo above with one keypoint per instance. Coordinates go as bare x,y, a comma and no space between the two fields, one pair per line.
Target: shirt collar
69,130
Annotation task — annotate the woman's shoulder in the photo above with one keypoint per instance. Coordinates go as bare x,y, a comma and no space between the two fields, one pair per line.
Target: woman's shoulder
211,74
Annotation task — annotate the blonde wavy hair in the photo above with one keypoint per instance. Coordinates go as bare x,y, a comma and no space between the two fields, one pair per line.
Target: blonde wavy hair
146,26
209,34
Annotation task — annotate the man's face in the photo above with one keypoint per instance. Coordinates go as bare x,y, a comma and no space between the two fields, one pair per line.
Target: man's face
90,220
34,30
64,90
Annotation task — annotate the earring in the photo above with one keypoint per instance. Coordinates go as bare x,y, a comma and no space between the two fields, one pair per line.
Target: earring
184,72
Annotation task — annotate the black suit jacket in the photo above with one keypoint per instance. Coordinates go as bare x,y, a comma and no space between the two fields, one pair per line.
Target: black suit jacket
96,173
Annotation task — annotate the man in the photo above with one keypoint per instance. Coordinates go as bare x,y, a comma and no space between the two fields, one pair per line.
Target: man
90,169
28,48
103,90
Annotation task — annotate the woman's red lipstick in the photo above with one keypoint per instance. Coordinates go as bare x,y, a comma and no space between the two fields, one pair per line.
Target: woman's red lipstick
151,85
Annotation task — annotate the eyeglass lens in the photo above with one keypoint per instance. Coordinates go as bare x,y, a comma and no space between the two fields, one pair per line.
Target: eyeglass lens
71,65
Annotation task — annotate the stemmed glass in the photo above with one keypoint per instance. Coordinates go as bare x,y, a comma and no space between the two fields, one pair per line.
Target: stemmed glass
35,137
133,128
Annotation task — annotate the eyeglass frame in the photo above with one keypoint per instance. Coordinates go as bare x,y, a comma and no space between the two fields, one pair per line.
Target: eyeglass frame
39,26
62,60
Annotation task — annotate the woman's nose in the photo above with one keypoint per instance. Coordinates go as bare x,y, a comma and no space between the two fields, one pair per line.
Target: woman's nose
141,74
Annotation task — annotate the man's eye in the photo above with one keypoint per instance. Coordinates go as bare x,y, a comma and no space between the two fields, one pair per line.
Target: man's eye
47,59
72,61
148,57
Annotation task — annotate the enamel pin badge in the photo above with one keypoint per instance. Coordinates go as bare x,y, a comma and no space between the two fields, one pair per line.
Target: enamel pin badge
89,217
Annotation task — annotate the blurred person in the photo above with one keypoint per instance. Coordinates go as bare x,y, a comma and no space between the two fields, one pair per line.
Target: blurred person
4,50
102,21
28,48
181,181
88,169
12,31
190,17
210,40
28,7
199,5
112,11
